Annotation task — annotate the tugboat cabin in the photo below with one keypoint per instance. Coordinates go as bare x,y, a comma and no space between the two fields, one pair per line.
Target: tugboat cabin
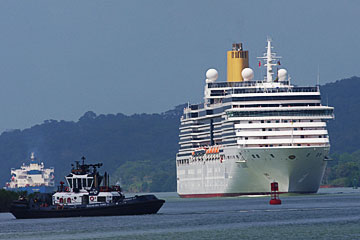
84,187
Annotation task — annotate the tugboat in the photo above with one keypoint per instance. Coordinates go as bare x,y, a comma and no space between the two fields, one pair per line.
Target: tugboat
85,196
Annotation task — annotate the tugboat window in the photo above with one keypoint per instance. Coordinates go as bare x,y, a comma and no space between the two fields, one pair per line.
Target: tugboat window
101,199
89,182
84,182
79,183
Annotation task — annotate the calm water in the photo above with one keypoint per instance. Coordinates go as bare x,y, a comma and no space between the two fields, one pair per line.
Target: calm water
330,214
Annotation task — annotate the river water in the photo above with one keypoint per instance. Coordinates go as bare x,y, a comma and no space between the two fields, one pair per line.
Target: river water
330,214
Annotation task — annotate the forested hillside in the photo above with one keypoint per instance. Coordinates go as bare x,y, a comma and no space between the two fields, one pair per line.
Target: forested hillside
344,96
139,150
344,132
142,145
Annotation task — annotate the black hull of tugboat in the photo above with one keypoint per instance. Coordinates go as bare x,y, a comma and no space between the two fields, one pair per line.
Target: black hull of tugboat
136,207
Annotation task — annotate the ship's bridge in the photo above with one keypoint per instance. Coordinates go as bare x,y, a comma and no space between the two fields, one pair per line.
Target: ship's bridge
80,181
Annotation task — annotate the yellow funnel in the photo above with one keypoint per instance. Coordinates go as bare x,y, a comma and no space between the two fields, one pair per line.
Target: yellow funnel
237,60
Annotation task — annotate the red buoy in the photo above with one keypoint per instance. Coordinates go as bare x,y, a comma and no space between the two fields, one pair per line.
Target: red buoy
275,194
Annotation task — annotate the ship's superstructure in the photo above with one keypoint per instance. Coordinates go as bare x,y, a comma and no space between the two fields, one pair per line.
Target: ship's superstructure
250,133
84,187
32,178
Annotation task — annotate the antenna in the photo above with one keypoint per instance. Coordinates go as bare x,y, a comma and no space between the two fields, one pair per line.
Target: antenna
318,76
269,58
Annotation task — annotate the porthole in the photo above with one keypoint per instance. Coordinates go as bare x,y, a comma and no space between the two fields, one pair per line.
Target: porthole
292,157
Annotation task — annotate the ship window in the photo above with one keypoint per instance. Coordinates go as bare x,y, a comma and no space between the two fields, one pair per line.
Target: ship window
70,183
263,129
250,121
74,182
257,155
246,138
277,121
89,182
101,199
262,121
79,183
302,136
285,121
253,156
272,155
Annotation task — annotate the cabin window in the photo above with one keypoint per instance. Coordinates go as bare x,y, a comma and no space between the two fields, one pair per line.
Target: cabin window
74,182
79,183
70,183
89,180
84,182
101,199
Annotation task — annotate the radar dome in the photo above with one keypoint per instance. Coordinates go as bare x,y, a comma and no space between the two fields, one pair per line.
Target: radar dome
282,74
247,74
211,75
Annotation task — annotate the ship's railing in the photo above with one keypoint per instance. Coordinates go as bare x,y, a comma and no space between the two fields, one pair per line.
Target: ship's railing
272,90
320,112
240,84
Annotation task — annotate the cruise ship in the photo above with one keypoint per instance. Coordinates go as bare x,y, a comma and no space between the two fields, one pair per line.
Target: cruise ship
249,133
32,178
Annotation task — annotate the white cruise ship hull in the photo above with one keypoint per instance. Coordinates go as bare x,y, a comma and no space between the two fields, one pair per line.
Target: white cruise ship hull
249,171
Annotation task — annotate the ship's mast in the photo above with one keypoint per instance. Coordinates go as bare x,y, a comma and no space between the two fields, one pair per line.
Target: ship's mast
269,57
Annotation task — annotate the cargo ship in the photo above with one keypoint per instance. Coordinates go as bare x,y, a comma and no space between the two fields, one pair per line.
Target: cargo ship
249,133
33,177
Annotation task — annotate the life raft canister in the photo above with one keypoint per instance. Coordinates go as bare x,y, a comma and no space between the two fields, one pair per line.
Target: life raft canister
92,198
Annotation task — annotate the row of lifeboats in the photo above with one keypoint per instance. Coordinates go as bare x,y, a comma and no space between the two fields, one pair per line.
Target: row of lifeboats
203,151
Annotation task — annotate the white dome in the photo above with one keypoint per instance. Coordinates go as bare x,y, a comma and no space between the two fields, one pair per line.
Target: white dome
247,74
282,74
211,75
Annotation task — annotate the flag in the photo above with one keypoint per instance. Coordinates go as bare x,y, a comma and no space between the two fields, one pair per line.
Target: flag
259,63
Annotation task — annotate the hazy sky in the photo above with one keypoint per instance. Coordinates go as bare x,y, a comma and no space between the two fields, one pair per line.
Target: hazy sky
59,59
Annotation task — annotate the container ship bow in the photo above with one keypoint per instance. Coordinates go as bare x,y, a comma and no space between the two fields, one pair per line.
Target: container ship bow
249,133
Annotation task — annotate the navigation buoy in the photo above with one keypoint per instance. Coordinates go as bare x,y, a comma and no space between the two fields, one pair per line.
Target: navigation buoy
275,194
